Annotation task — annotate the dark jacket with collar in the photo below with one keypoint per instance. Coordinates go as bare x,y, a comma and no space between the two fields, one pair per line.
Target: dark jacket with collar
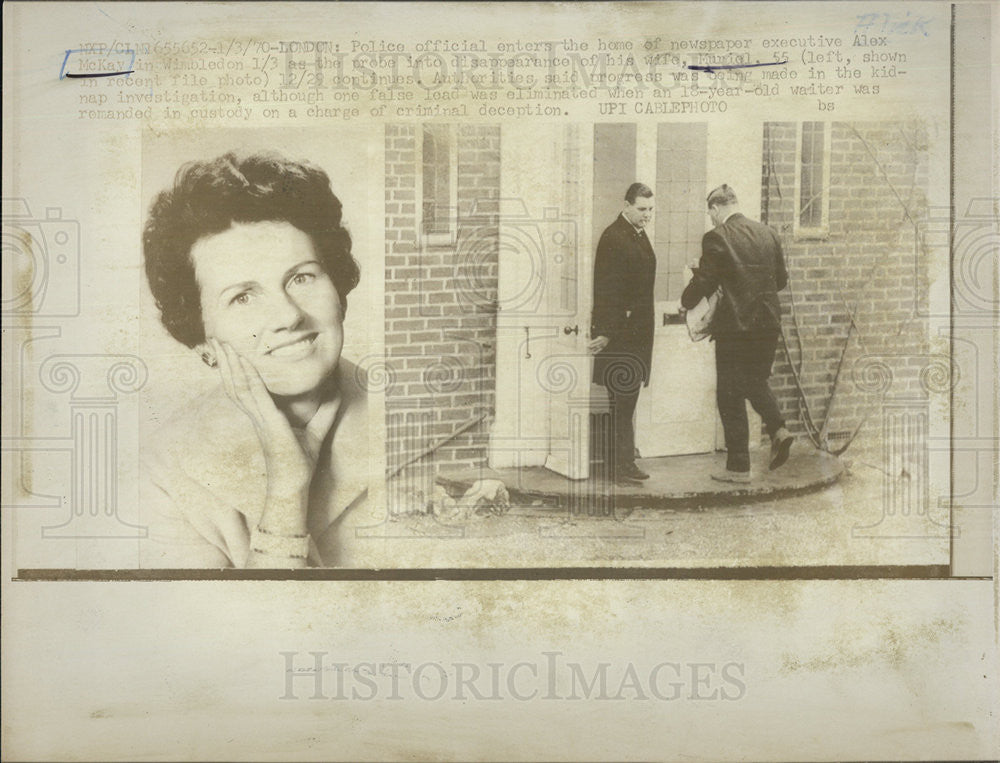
745,258
624,273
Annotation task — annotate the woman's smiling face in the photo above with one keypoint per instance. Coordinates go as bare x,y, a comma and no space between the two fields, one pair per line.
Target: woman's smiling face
265,293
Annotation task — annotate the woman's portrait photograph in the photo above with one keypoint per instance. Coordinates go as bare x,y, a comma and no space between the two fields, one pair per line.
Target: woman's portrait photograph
255,444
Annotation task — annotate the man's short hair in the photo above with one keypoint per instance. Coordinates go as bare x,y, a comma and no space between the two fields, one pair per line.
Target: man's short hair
721,196
637,189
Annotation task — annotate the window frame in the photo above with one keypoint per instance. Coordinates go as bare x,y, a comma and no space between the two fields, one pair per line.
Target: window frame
449,237
823,229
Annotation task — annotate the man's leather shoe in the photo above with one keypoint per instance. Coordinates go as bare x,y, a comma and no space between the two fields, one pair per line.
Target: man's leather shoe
728,476
632,472
781,445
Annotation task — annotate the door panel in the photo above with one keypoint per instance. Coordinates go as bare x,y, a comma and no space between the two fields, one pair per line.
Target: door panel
543,367
568,368
676,414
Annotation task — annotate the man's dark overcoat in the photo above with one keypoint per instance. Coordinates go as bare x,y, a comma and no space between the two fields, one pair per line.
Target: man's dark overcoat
624,273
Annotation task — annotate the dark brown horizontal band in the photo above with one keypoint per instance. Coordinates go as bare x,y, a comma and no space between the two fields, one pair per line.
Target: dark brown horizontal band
829,572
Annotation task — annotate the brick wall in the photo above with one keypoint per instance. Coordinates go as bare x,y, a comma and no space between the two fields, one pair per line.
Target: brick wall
440,302
871,266
440,310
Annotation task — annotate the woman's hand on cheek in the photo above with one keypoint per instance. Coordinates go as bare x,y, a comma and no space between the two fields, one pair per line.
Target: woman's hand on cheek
289,464
319,426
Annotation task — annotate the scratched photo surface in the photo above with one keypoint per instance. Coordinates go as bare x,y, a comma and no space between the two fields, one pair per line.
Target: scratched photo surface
539,396
503,425
368,362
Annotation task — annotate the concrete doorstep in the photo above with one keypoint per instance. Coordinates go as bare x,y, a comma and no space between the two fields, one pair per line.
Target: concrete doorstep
674,482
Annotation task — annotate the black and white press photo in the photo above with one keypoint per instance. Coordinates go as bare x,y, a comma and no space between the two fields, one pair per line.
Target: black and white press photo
473,381
549,399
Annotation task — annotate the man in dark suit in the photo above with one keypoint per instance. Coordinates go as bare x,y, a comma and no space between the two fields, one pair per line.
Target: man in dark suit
622,323
744,257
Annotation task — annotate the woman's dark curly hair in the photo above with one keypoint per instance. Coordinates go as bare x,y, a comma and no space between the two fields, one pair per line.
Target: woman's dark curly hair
208,198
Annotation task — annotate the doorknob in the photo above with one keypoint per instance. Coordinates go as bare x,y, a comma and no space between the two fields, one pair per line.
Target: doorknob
571,330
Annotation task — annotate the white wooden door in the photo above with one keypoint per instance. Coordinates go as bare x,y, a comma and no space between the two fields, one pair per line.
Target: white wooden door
545,262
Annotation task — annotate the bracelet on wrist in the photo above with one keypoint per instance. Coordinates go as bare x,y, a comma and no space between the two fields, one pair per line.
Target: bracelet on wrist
285,546
281,535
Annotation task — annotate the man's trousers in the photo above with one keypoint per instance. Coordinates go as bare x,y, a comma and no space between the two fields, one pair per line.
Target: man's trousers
743,365
623,404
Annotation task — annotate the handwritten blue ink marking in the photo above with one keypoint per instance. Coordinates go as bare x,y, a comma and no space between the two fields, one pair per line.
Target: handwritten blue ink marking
709,68
908,24
63,74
